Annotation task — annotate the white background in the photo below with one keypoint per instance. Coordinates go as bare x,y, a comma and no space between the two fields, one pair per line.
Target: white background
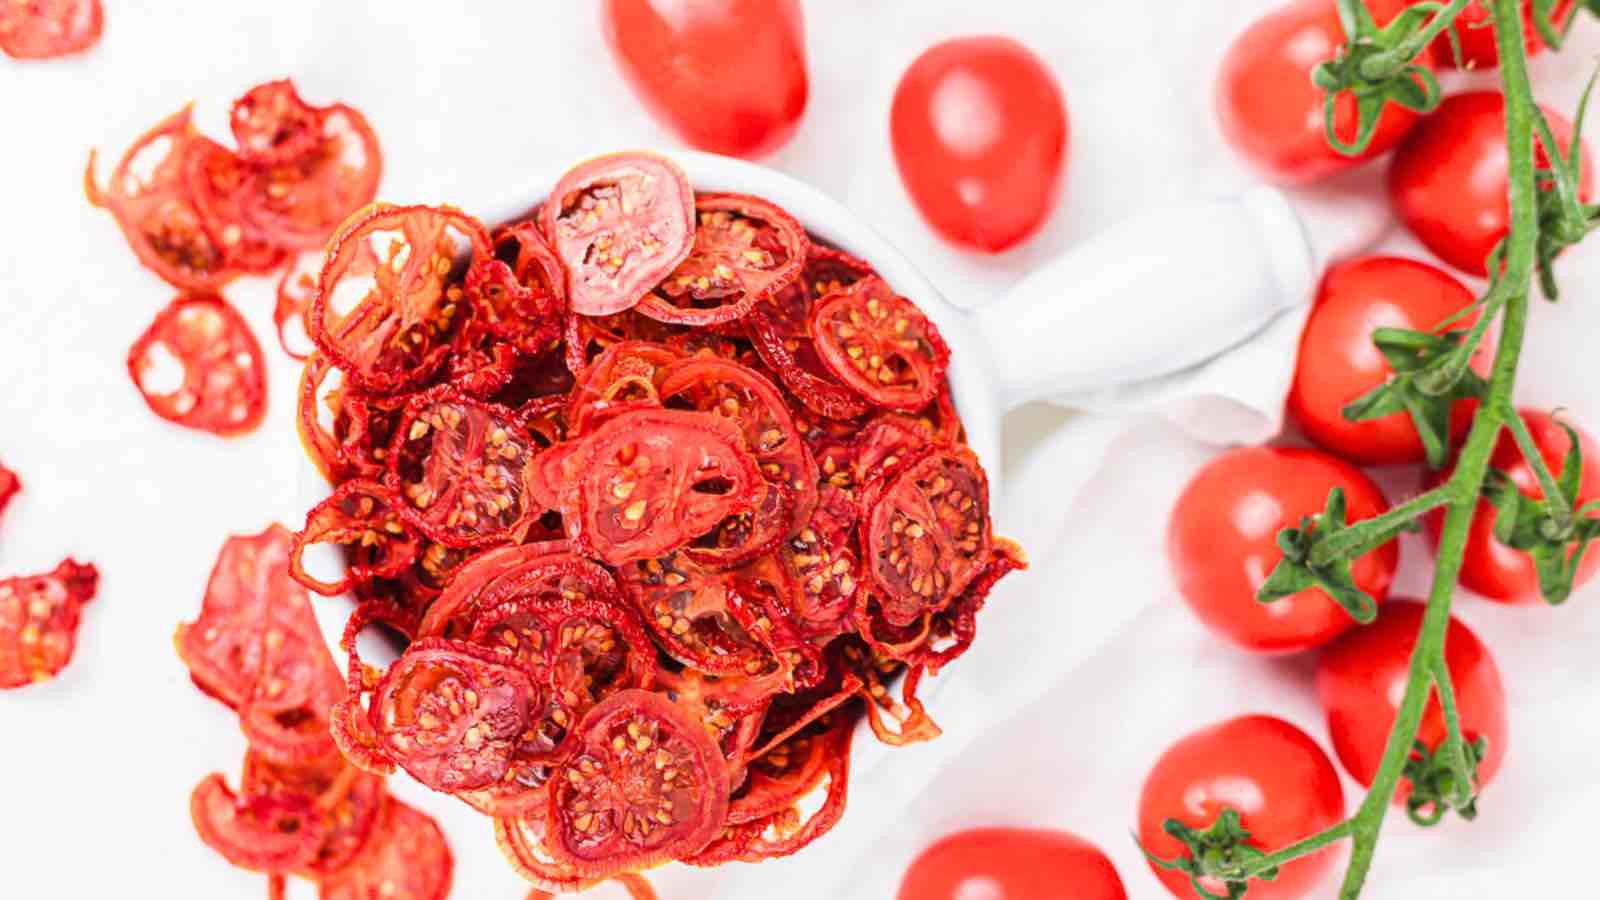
1103,663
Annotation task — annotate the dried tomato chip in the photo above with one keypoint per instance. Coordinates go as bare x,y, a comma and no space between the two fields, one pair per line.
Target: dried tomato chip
795,361
264,834
296,288
522,840
520,295
199,366
880,344
645,785
363,517
745,250
343,803
272,124
217,180
625,375
928,535
39,616
619,223
42,29
825,564
297,202
10,485
406,859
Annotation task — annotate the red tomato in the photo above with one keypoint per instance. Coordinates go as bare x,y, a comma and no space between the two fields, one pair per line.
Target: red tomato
980,136
1361,678
728,76
1491,568
1478,50
1339,363
1448,181
1011,864
1222,544
1273,774
1270,111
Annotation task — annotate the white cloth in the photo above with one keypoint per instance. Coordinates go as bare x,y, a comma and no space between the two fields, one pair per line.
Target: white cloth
1087,665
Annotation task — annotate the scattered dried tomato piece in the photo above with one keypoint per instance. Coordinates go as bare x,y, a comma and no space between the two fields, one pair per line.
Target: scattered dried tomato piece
42,29
39,617
222,385
878,343
364,517
10,485
407,859
928,535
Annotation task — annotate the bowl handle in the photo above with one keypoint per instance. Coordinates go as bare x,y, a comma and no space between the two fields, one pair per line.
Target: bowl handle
1157,293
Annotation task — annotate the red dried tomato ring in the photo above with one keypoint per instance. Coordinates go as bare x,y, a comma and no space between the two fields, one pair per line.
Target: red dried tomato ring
452,715
39,616
264,834
827,271
43,29
620,223
778,778
216,180
519,296
392,327
729,390
10,484
352,732
364,517
648,480
272,124
406,859
522,841
795,361
689,607
625,374
296,288
956,627
645,785
199,366
927,536
344,804
635,885
745,250
824,562
148,194
880,344
460,465
297,203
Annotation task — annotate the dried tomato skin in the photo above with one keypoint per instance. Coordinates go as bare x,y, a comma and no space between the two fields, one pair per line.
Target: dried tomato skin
407,858
733,264
297,203
39,619
224,390
881,328
46,29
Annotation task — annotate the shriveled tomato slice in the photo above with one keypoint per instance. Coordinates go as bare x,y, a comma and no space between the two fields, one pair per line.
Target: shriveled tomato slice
648,480
745,250
406,859
39,616
296,287
392,327
452,714
268,833
461,466
217,179
523,842
625,374
272,124
363,517
520,295
297,202
619,223
10,485
825,564
41,29
645,785
198,365
343,802
880,344
927,536
795,361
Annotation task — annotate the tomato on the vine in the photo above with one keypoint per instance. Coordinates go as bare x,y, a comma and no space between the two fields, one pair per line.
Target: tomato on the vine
1449,179
1362,676
1475,33
1271,773
1011,864
1339,363
729,77
1502,573
980,136
1272,114
1222,544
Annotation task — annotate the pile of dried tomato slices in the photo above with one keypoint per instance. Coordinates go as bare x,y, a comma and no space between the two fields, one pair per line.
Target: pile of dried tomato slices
40,614
659,490
300,809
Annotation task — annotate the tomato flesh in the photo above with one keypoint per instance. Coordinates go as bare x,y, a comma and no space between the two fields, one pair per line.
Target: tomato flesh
39,616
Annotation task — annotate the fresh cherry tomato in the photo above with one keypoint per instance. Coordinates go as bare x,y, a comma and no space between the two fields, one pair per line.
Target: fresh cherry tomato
1476,35
1270,111
1448,181
1271,773
728,76
1362,677
1339,363
1491,568
980,136
1222,544
1011,864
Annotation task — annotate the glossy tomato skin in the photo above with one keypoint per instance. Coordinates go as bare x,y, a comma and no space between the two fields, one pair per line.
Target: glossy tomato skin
980,135
1011,864
1222,544
1477,39
729,76
1338,362
1274,775
1489,567
1448,181
1272,114
1362,676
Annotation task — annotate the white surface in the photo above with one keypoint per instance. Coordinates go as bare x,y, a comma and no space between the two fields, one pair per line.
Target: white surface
468,101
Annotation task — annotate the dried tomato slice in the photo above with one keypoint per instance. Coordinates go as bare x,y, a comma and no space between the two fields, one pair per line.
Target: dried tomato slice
928,535
362,516
272,124
689,607
344,804
648,480
522,840
264,834
625,374
220,382
645,785
296,288
461,465
216,179
406,859
42,29
795,361
745,250
520,295
39,616
392,327
880,344
619,223
297,202
10,485
826,567
729,390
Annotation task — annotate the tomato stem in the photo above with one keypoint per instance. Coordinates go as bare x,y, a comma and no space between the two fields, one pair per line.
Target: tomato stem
1555,498
1369,534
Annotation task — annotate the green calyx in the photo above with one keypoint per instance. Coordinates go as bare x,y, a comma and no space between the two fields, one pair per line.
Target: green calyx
1556,532
1430,375
1377,67
1221,852
1297,571
1436,785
